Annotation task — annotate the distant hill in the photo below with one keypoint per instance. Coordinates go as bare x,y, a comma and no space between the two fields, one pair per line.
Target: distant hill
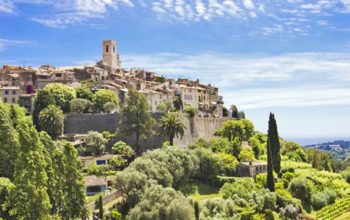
339,149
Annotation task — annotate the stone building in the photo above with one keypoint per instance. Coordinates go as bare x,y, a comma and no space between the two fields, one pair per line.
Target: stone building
251,168
110,57
10,94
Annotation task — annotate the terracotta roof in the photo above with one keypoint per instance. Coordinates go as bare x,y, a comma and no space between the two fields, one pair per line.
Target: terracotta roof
94,181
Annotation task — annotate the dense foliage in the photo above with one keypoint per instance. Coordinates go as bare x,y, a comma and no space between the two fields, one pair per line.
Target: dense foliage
136,119
39,173
51,120
171,125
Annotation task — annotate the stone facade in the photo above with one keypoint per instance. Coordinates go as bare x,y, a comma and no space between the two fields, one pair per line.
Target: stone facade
195,128
110,56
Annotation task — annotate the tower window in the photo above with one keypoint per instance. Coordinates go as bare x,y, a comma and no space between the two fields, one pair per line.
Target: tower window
113,49
106,48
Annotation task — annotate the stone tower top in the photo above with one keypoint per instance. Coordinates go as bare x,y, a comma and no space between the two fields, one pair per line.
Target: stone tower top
110,57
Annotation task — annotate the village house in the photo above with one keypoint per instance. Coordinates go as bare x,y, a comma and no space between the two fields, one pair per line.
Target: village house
99,160
251,168
94,185
10,94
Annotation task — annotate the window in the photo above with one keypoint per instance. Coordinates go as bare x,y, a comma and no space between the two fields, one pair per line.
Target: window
113,49
106,48
14,92
58,75
13,100
5,100
6,92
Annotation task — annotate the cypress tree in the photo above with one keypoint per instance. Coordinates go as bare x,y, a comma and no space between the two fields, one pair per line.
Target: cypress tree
274,144
100,208
270,180
196,210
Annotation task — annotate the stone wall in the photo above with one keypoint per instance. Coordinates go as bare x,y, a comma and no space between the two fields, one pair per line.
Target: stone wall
195,128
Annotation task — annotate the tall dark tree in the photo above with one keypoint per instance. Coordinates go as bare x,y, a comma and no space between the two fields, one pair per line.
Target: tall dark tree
100,207
136,119
234,111
42,100
274,144
270,179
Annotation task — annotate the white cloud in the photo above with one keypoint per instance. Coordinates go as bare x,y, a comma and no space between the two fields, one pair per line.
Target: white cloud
248,4
261,81
6,6
299,17
4,43
77,11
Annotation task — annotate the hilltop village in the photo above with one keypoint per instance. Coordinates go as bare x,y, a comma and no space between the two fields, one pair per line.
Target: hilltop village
18,85
102,142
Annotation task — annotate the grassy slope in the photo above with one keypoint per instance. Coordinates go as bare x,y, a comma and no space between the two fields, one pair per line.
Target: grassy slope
199,191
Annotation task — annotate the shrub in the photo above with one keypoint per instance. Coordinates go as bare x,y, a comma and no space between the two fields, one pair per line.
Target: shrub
80,105
109,107
301,188
124,150
103,96
162,203
290,211
190,111
95,143
346,175
98,170
318,201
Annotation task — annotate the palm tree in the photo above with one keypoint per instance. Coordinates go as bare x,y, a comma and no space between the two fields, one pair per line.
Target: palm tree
172,126
51,120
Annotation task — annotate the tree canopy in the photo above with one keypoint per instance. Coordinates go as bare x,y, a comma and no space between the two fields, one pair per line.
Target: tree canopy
136,120
51,120
104,96
171,125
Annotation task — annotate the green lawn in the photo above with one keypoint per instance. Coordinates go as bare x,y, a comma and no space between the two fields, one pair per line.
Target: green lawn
199,191
344,216
93,198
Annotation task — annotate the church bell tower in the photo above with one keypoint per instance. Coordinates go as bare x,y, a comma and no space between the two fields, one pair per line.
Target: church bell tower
110,57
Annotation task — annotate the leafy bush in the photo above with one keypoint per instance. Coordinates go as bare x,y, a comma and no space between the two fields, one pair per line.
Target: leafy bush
301,188
346,175
93,169
218,208
190,111
162,203
318,201
118,163
80,105
246,155
95,143
290,211
109,107
219,144
103,96
124,150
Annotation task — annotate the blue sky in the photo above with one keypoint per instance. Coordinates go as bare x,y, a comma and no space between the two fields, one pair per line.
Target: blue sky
291,57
